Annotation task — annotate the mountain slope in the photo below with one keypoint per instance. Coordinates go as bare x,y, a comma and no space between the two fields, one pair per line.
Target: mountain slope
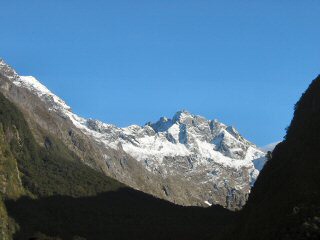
10,177
47,170
28,169
285,201
187,159
67,196
50,192
190,147
44,119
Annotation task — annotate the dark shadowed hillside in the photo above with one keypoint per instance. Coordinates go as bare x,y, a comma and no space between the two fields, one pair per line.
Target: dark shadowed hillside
124,214
285,201
48,170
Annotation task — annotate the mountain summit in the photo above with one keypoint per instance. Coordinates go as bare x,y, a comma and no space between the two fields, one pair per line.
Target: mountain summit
187,159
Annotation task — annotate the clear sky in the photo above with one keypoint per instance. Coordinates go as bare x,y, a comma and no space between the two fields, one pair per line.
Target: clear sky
126,62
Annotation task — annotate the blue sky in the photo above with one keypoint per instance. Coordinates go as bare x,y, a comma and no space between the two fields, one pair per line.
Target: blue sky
126,62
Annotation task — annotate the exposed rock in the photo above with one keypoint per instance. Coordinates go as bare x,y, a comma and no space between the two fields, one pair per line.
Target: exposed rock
199,160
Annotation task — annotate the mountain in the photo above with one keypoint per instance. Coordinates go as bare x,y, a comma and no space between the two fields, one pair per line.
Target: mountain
187,160
47,192
27,169
190,147
52,186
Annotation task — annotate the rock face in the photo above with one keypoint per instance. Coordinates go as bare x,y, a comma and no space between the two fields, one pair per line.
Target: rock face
188,159
190,147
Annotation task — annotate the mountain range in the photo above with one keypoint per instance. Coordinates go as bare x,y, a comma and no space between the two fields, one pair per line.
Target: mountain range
187,159
65,177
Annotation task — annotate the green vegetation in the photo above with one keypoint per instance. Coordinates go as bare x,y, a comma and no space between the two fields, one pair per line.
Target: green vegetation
4,222
10,183
48,170
28,169
57,171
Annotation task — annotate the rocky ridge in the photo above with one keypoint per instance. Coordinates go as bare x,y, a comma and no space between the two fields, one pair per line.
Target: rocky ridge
188,159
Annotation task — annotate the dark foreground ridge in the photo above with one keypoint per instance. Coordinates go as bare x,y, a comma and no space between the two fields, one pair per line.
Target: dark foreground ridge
64,199
123,214
285,201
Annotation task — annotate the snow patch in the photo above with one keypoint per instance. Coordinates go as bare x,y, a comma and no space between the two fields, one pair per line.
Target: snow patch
204,145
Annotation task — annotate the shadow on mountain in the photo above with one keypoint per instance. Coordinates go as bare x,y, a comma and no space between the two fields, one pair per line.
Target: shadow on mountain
123,214
285,201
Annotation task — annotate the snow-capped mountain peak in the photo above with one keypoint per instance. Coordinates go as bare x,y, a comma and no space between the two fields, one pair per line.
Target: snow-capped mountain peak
187,147
185,135
183,116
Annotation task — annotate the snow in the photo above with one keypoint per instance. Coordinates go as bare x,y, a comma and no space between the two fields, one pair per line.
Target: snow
259,163
35,86
254,153
174,130
181,116
194,137
156,146
207,151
